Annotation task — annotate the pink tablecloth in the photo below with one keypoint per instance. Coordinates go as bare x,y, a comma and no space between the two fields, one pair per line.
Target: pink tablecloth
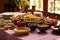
36,36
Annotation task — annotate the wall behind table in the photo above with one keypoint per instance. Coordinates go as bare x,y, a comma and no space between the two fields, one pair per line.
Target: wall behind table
2,2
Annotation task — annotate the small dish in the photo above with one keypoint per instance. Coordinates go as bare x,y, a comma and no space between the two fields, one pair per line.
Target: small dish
22,30
32,26
43,27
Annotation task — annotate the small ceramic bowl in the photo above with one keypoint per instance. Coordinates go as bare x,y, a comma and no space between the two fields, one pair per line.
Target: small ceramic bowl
56,28
43,27
22,30
32,26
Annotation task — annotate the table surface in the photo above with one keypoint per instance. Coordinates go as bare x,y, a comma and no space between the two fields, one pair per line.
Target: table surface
35,35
